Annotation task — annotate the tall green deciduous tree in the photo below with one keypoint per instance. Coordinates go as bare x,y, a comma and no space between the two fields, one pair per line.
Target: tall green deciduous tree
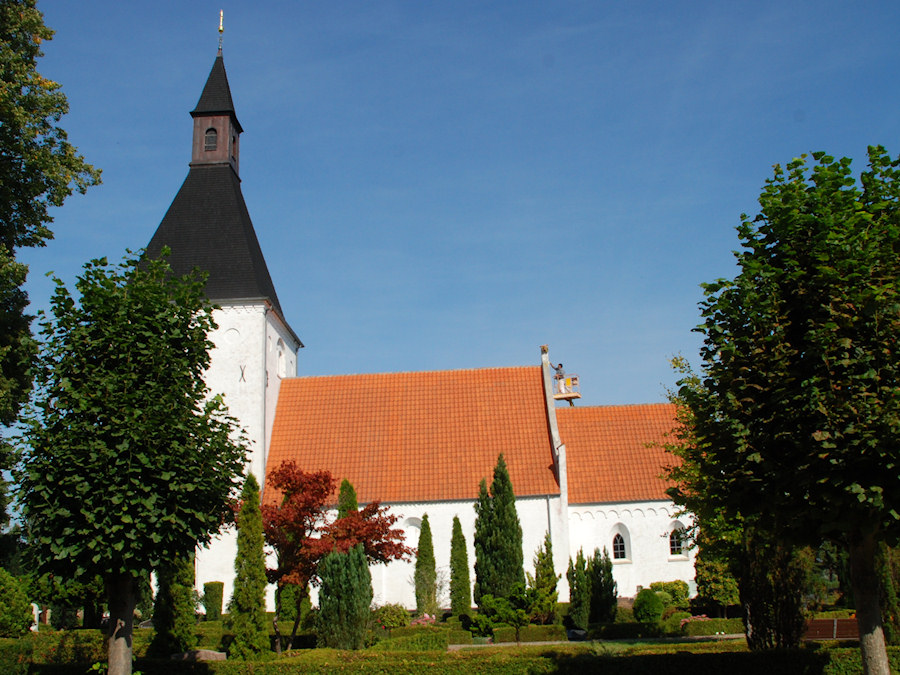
460,586
604,590
542,593
174,612
796,411
39,168
344,599
499,569
425,576
247,609
128,462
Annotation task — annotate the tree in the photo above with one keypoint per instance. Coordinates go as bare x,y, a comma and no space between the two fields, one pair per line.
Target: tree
15,610
247,609
128,462
425,576
174,612
499,567
299,529
347,503
212,599
542,593
460,587
39,169
579,592
344,599
604,591
796,413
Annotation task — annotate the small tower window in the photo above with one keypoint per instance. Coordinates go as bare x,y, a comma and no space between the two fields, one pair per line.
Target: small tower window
210,140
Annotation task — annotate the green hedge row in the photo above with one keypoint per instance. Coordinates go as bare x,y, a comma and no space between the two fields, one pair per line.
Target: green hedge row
549,633
563,659
714,626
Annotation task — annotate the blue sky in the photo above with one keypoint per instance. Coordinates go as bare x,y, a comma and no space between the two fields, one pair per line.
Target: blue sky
451,185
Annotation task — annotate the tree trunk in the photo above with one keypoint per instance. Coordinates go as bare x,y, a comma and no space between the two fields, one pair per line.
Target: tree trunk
122,596
868,606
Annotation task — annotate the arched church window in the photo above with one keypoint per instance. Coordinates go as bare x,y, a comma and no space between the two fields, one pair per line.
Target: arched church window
281,359
618,546
676,542
210,140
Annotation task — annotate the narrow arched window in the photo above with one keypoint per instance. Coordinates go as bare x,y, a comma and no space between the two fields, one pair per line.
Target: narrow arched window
210,140
619,547
676,542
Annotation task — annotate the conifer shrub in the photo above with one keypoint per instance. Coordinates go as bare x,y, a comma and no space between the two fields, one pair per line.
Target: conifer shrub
542,593
425,577
247,609
604,590
460,586
174,612
648,607
15,610
344,598
213,592
579,592
347,501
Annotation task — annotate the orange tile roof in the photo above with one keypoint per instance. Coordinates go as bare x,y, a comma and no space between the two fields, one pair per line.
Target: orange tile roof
612,452
414,437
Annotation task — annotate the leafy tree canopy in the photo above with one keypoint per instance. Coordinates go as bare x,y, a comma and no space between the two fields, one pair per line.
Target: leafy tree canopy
127,461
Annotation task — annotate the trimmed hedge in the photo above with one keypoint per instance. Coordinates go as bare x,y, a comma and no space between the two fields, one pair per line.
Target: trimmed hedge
713,626
424,641
549,633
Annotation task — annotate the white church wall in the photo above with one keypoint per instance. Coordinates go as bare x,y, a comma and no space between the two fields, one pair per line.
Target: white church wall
645,528
280,363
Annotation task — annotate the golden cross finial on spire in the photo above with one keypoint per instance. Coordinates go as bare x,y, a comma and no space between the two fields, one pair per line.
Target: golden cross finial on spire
221,28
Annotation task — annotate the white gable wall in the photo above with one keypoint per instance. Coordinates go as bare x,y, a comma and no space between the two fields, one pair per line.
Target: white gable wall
645,526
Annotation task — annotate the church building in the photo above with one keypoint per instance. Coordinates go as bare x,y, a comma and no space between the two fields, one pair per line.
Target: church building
418,442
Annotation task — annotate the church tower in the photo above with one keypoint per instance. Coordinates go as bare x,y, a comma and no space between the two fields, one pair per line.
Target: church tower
208,227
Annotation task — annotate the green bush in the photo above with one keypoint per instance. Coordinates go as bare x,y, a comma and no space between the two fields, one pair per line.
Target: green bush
624,615
422,640
391,616
212,599
544,633
624,631
671,625
459,637
678,590
15,610
648,607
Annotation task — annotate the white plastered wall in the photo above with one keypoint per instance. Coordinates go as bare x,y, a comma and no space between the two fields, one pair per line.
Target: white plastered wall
646,527
253,352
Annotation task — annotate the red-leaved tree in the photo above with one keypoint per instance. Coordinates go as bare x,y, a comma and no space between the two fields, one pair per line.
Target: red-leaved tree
297,525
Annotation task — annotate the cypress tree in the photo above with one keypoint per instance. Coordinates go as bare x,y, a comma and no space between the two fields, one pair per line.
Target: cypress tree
604,591
499,569
543,595
173,611
347,502
247,609
426,572
460,588
579,592
212,599
344,599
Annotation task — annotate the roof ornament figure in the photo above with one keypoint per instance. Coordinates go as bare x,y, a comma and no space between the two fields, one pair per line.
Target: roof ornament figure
221,29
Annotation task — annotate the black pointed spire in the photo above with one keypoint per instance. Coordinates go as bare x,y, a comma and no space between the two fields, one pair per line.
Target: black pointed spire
216,96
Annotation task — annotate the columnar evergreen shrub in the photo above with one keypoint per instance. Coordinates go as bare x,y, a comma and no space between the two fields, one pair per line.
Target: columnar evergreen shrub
213,592
291,599
247,609
460,586
579,592
344,599
174,611
425,577
604,591
15,610
648,607
499,567
347,502
542,592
